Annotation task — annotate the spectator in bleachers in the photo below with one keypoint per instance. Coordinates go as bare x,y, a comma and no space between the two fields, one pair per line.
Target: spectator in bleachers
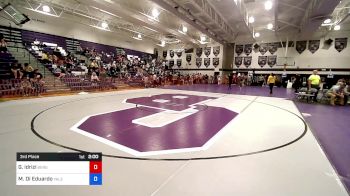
45,57
17,70
3,46
94,77
336,92
26,86
346,93
93,66
28,71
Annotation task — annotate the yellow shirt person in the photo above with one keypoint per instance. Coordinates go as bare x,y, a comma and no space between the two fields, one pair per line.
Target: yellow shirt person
314,80
271,81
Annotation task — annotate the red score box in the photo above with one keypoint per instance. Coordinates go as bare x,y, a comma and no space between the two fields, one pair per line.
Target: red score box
95,166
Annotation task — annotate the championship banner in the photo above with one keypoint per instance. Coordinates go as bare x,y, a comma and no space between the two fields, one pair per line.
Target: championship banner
262,60
314,45
207,51
239,49
198,62
171,53
247,61
188,57
206,62
171,63
238,61
248,49
199,52
178,62
272,60
263,49
340,43
216,50
273,47
216,62
179,53
300,46
165,53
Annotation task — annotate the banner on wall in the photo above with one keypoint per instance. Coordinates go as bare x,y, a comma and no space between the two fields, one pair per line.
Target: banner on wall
198,62
199,52
188,57
300,46
263,48
216,62
179,53
314,45
171,52
207,51
165,53
178,62
216,50
238,61
247,61
171,63
206,62
273,47
239,49
272,60
262,60
340,43
248,49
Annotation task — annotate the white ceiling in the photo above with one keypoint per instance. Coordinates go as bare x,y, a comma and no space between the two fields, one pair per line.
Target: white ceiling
224,21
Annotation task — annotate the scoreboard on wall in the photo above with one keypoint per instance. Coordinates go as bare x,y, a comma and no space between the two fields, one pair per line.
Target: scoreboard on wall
58,168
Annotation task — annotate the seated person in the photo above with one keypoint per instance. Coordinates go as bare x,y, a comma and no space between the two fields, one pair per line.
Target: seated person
16,70
346,93
3,46
26,86
94,77
337,91
28,71
45,58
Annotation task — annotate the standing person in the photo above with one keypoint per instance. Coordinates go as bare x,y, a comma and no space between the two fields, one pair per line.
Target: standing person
297,82
230,79
271,81
314,82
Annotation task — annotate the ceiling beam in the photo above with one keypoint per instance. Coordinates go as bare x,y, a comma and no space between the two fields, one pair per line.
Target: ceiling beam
175,11
289,24
292,6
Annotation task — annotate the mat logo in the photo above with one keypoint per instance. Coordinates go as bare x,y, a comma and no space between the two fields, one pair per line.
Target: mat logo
159,124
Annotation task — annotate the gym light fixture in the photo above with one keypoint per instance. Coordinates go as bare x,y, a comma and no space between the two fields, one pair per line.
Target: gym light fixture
337,27
251,19
327,21
104,24
183,29
155,13
268,5
46,8
257,34
270,26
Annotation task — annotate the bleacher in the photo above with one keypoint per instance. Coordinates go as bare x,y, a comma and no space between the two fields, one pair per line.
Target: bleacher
76,83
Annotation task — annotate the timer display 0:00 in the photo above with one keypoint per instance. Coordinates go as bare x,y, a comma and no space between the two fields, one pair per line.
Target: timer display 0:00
93,156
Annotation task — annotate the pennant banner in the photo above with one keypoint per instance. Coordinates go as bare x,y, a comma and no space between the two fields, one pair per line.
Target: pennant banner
178,62
272,60
273,47
340,43
263,49
188,57
300,46
179,53
171,63
314,45
198,62
262,60
238,61
206,62
247,61
199,52
216,62
216,50
207,51
171,52
165,53
239,49
248,49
